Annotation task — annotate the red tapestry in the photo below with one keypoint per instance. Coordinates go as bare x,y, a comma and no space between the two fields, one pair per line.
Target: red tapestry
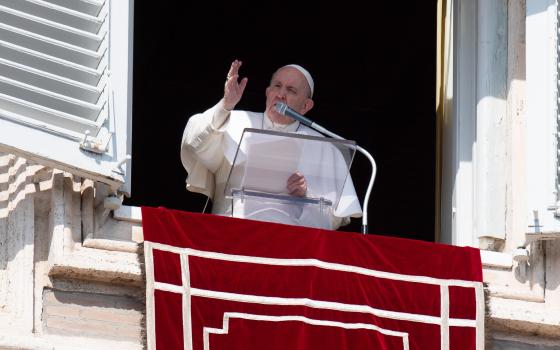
216,282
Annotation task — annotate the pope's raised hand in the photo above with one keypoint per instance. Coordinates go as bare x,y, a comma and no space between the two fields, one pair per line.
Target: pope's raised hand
233,90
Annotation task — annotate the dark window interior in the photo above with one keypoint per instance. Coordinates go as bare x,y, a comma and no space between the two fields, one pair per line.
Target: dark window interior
374,71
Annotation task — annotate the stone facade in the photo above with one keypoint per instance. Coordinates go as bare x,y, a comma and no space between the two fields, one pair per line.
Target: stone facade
523,299
500,151
70,272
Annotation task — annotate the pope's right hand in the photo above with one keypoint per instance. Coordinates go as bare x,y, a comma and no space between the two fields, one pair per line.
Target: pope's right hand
233,90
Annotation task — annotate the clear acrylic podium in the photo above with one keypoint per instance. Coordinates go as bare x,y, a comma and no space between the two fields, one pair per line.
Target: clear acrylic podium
257,182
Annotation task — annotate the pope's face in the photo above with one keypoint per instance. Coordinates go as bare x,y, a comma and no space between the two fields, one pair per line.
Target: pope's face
288,85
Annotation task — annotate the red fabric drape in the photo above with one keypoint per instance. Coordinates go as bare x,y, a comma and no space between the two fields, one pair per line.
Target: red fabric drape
253,285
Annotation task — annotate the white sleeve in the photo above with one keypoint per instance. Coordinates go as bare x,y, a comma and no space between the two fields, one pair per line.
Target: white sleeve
202,138
202,148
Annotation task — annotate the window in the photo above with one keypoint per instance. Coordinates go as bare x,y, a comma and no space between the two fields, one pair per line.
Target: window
475,156
500,131
66,85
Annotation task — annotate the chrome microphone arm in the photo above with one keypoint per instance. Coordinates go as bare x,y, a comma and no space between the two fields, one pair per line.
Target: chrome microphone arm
373,171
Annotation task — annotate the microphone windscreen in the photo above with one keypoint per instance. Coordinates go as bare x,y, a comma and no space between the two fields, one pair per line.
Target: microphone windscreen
281,107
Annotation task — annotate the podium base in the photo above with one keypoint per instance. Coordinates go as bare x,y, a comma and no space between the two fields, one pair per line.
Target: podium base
282,209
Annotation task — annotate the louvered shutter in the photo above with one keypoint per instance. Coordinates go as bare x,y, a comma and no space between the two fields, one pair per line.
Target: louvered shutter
66,85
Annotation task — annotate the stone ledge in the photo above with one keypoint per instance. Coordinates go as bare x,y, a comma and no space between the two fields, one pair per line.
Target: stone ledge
128,213
498,340
51,342
111,245
524,317
496,259
100,265
73,343
506,292
22,342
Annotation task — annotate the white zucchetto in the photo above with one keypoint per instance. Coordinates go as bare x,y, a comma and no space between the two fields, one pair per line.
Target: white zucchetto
306,74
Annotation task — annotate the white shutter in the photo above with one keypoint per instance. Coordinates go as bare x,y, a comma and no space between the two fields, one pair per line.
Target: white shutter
542,117
66,72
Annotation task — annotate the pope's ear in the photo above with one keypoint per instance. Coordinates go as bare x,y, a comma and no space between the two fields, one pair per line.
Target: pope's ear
308,105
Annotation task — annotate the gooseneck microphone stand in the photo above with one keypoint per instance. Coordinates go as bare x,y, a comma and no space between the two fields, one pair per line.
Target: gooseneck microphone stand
283,109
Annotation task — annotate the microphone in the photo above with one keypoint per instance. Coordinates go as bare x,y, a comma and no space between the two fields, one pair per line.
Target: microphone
283,109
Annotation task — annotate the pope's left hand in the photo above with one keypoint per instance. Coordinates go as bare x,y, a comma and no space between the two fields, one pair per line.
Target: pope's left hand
297,186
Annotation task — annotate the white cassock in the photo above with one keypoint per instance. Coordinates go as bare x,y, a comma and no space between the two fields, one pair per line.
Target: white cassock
208,151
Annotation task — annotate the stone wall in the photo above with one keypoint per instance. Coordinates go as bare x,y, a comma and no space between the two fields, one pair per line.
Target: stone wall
523,299
70,273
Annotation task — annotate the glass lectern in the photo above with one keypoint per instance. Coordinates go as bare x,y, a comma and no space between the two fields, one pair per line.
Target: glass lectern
257,182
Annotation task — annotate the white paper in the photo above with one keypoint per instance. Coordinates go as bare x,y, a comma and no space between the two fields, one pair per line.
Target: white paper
270,164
